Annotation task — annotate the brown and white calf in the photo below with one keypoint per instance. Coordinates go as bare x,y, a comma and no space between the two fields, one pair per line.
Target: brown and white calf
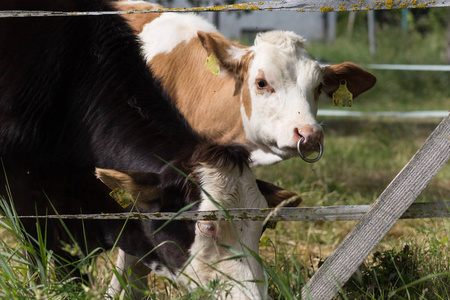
265,97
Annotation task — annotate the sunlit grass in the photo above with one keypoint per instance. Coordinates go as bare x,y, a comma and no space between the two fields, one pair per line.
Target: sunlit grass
361,157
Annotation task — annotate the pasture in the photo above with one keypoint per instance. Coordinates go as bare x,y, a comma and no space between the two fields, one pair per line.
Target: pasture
362,155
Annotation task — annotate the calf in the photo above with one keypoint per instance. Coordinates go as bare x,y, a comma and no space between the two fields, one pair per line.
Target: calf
264,97
75,94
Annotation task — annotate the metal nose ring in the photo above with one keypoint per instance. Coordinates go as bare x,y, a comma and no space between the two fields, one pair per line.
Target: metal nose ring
313,160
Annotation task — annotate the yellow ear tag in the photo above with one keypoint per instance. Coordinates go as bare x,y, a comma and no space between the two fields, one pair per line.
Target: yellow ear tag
212,63
342,96
122,197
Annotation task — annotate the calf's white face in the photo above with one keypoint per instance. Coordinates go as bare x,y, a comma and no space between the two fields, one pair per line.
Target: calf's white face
211,260
283,83
280,88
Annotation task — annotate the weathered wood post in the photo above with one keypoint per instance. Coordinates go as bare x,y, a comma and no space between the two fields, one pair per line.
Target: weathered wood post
383,214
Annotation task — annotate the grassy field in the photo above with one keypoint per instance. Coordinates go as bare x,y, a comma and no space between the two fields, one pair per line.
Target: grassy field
362,155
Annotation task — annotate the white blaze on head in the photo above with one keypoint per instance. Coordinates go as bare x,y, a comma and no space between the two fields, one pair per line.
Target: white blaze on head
210,261
283,81
170,29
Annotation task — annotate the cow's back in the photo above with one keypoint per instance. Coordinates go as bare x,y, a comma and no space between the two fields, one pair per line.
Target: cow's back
68,81
75,94
138,20
264,97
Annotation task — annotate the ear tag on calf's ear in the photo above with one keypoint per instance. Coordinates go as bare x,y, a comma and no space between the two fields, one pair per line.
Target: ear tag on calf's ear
212,63
122,197
342,96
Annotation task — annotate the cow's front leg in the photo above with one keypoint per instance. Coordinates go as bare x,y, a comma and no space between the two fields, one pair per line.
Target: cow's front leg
136,278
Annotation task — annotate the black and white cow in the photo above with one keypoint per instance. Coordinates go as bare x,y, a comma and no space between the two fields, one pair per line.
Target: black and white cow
75,94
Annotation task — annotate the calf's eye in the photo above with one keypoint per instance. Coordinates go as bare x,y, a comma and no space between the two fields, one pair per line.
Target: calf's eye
207,228
262,84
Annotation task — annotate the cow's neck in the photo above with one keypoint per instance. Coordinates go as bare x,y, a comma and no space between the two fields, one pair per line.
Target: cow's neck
259,157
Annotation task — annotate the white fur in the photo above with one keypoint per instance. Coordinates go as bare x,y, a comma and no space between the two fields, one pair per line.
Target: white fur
237,53
163,271
137,276
170,29
231,191
294,76
135,1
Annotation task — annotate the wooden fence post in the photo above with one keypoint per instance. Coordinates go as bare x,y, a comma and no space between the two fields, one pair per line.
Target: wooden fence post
383,214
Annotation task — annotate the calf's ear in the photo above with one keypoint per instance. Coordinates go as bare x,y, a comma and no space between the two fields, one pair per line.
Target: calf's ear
358,79
231,56
142,187
276,196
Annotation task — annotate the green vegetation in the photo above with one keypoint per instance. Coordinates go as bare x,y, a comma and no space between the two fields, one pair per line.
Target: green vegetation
395,90
362,155
29,271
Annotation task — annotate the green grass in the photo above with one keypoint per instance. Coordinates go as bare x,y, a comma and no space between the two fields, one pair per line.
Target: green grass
362,155
395,90
29,271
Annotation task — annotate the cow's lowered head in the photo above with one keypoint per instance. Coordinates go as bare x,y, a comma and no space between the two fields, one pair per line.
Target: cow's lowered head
223,250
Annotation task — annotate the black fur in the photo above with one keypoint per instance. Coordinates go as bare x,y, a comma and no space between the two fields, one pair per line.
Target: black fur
76,94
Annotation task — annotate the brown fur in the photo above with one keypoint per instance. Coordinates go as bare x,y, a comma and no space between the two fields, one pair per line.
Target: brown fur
138,21
218,156
358,79
184,75
262,76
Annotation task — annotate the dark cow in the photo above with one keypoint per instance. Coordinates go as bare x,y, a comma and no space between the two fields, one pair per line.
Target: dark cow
75,94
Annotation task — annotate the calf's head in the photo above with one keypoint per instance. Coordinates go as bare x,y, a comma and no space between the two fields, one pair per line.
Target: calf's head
226,181
280,88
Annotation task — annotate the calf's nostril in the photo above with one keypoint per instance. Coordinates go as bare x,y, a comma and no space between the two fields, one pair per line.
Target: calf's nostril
297,134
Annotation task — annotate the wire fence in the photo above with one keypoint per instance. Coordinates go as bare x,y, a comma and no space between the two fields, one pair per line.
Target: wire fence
305,214
285,5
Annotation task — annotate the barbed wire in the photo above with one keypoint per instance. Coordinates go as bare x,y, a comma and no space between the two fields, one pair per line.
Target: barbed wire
285,5
324,213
